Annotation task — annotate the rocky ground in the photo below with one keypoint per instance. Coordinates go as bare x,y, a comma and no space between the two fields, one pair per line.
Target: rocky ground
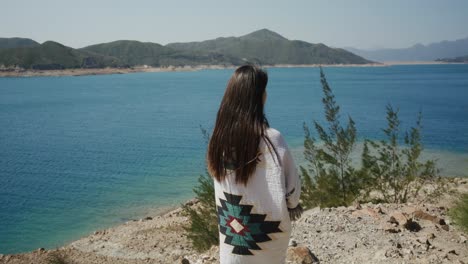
417,232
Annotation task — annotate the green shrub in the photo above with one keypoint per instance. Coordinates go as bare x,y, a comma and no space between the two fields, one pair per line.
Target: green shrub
202,230
459,212
330,180
395,172
392,171
58,258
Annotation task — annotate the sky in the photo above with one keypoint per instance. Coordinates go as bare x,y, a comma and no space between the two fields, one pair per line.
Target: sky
365,24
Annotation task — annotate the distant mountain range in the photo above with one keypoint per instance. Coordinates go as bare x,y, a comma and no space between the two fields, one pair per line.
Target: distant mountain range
51,55
132,53
460,59
267,47
418,52
263,47
8,43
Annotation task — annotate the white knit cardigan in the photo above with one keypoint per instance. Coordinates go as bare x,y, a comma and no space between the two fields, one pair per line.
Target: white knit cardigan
254,224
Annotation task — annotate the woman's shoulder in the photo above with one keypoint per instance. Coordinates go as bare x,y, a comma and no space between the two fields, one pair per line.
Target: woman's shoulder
274,135
272,132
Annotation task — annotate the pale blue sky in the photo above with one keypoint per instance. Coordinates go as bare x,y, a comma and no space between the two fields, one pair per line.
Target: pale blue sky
361,24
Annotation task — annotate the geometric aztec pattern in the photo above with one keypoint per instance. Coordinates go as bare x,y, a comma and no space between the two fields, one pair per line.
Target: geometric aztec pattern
242,229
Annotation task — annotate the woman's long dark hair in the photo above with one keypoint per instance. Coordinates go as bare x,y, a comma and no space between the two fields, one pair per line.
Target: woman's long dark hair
240,125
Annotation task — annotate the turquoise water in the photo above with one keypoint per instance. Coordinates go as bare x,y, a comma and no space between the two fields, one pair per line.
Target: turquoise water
83,153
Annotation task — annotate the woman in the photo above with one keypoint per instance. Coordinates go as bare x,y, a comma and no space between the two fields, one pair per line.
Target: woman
256,180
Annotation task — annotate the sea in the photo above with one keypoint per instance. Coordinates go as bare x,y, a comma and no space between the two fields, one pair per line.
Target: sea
78,154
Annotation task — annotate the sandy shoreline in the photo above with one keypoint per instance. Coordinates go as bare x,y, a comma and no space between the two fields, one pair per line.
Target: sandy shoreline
82,72
359,234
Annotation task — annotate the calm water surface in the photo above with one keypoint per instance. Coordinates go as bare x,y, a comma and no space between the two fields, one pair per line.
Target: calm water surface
83,153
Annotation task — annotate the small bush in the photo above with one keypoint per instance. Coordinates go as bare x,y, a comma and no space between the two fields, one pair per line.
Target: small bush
202,230
58,258
394,170
330,180
390,172
459,212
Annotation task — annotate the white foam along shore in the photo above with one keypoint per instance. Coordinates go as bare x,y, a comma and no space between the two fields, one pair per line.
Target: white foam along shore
144,68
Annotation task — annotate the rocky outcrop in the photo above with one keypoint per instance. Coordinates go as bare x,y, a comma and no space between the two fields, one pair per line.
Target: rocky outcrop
301,255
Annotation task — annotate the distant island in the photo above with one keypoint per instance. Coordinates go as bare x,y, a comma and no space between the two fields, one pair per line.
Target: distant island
263,47
460,59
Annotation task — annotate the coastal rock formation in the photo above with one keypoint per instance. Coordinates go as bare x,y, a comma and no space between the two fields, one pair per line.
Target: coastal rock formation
419,232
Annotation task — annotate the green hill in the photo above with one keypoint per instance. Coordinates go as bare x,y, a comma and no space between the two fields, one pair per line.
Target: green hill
134,53
9,43
263,47
267,47
131,52
52,55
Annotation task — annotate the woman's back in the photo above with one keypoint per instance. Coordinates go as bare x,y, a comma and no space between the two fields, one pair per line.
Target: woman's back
255,177
253,219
